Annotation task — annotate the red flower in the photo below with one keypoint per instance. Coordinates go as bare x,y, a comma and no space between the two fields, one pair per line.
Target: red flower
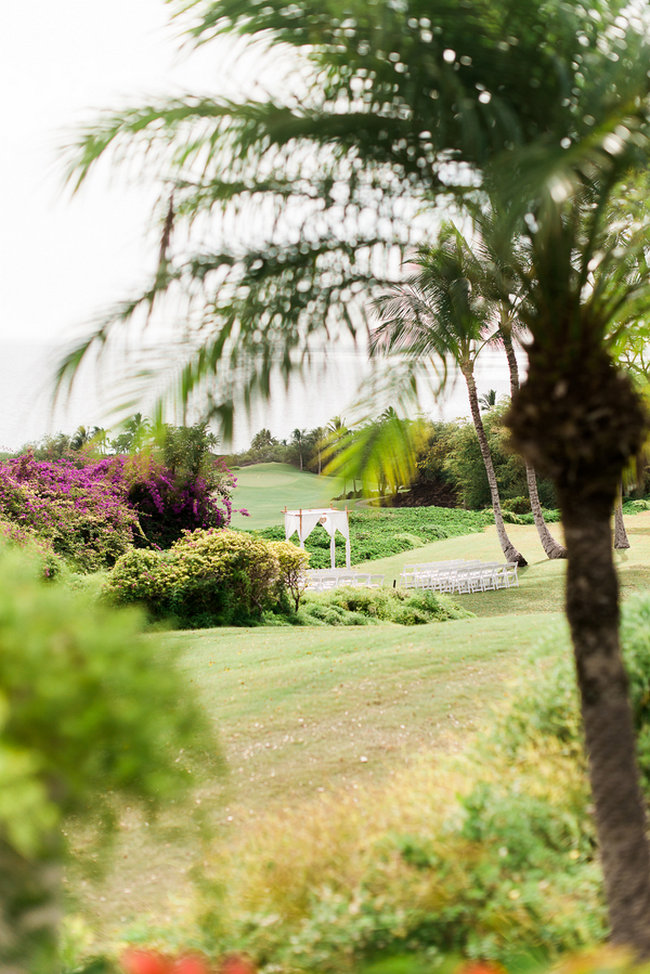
145,962
480,967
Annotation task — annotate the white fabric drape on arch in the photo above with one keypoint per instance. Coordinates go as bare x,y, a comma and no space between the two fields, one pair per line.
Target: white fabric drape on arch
304,521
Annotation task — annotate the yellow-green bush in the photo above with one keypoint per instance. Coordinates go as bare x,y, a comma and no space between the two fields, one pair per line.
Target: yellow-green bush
493,855
425,865
211,578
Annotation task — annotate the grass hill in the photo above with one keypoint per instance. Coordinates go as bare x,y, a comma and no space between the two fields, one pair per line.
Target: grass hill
307,713
265,489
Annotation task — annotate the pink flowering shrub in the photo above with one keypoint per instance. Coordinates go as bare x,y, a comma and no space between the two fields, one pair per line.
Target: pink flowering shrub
81,511
92,511
170,501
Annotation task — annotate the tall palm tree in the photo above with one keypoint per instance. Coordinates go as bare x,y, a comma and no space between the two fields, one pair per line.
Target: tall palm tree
298,437
436,316
578,419
312,197
493,270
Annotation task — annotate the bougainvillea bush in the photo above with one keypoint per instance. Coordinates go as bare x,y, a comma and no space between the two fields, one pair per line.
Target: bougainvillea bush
92,511
82,511
169,501
211,578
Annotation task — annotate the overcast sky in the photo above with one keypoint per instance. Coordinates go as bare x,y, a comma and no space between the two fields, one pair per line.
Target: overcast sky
64,259
60,62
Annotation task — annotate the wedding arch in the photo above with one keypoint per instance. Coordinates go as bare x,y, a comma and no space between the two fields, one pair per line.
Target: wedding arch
304,521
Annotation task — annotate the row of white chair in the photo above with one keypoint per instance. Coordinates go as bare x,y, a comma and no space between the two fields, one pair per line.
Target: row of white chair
460,576
322,579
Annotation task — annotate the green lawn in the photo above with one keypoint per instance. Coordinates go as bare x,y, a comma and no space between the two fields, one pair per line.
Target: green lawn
265,489
305,711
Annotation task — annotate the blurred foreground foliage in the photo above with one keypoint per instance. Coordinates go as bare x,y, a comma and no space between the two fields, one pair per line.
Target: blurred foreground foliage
89,711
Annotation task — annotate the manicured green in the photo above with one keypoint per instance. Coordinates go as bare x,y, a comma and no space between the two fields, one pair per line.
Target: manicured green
265,489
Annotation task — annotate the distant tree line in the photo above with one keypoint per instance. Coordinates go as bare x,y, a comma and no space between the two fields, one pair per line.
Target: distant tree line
449,471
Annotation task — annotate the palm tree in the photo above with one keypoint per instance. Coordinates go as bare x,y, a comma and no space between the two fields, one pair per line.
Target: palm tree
315,442
493,274
81,436
135,432
542,106
578,419
621,540
298,437
552,548
436,315
487,400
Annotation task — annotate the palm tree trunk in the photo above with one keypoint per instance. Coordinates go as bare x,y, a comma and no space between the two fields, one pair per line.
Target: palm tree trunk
552,548
621,539
592,610
582,437
509,550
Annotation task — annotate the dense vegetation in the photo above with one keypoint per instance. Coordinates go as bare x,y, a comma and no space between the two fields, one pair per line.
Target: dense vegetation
91,509
448,468
217,578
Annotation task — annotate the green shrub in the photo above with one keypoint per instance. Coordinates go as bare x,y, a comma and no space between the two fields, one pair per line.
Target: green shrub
517,505
508,516
141,576
551,516
636,506
292,571
88,711
359,606
211,578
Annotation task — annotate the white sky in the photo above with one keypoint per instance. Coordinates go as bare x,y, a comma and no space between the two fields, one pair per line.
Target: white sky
63,260
60,62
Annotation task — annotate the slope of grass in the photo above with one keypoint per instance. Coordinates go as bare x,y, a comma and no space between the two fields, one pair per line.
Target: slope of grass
309,712
301,713
265,489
